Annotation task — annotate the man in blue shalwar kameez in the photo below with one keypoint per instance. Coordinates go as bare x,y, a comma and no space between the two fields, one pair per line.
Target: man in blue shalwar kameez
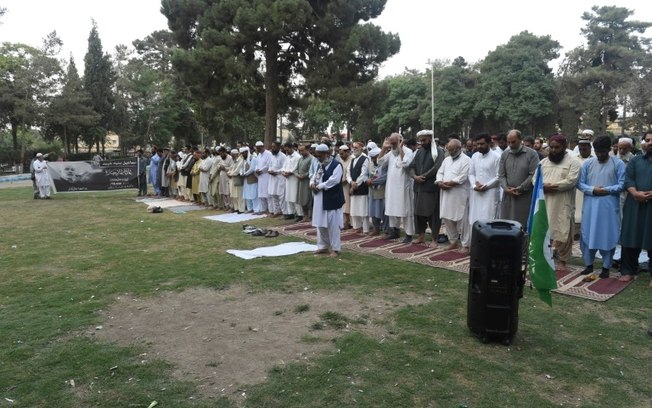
601,180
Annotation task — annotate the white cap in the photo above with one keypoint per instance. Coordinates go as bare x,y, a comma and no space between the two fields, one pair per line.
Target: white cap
244,149
314,145
627,140
259,143
39,154
321,148
424,132
234,151
344,147
374,152
371,146
587,132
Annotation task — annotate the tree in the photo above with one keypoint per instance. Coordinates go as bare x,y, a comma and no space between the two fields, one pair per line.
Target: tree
70,111
454,94
406,102
516,86
231,47
28,80
605,67
99,79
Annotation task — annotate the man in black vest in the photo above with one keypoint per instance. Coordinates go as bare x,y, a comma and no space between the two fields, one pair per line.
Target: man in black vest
423,170
327,215
359,191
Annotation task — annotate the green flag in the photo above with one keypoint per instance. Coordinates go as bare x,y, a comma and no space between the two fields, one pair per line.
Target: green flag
541,266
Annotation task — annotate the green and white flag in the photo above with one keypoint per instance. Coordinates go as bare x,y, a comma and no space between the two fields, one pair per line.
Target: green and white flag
541,266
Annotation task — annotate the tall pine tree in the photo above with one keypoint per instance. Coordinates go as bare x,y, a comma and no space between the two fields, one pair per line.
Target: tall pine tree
99,79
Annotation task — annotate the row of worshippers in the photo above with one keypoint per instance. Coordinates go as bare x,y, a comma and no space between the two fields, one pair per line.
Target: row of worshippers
426,187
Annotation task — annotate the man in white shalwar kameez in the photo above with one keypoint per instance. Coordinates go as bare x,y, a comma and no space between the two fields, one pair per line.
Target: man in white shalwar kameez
276,188
357,177
42,176
453,180
396,158
291,181
250,189
327,215
483,178
344,157
263,162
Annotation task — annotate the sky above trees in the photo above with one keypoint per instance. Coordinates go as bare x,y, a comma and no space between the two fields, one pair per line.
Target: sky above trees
428,29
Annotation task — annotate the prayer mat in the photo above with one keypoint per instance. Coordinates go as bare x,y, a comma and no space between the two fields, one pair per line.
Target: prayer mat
288,248
233,217
569,282
182,209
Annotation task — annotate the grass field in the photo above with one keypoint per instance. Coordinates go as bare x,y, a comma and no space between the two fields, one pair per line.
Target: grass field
65,260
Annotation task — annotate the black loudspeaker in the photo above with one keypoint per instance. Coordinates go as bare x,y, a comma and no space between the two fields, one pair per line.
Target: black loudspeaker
496,279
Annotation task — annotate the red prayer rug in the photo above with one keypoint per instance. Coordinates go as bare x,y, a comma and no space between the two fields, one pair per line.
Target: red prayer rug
569,281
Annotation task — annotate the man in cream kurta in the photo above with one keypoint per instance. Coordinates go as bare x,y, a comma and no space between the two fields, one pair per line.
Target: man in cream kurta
237,181
453,180
560,172
224,185
204,178
291,181
214,183
483,178
396,158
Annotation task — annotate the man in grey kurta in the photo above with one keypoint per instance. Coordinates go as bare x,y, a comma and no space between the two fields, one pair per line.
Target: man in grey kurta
517,166
423,170
636,233
304,195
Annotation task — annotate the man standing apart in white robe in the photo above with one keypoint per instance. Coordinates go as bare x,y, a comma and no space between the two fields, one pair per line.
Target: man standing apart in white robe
397,158
263,162
327,215
453,180
291,181
42,176
483,178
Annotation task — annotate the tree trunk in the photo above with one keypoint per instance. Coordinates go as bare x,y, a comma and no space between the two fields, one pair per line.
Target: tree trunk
271,91
14,133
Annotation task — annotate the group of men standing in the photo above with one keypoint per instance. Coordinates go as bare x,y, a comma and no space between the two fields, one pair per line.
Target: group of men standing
393,187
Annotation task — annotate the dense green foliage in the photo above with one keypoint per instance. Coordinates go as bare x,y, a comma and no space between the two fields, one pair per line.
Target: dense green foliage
232,71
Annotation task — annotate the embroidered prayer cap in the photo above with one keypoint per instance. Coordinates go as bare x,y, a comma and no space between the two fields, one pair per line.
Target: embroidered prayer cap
627,140
424,132
313,146
584,141
344,147
259,143
321,148
371,146
244,149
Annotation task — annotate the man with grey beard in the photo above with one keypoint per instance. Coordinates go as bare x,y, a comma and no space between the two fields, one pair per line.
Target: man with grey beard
517,166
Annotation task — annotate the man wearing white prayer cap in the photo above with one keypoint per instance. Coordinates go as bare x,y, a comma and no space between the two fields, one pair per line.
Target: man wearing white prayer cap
262,171
587,134
327,215
625,147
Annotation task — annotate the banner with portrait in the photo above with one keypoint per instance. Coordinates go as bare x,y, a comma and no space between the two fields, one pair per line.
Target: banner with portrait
94,176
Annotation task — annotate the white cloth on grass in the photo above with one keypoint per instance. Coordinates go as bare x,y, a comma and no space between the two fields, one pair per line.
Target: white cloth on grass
289,248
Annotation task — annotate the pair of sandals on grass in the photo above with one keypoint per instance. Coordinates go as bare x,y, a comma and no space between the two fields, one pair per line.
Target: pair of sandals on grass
259,232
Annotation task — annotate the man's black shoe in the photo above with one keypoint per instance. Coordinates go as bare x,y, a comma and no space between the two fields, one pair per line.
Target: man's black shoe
587,271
